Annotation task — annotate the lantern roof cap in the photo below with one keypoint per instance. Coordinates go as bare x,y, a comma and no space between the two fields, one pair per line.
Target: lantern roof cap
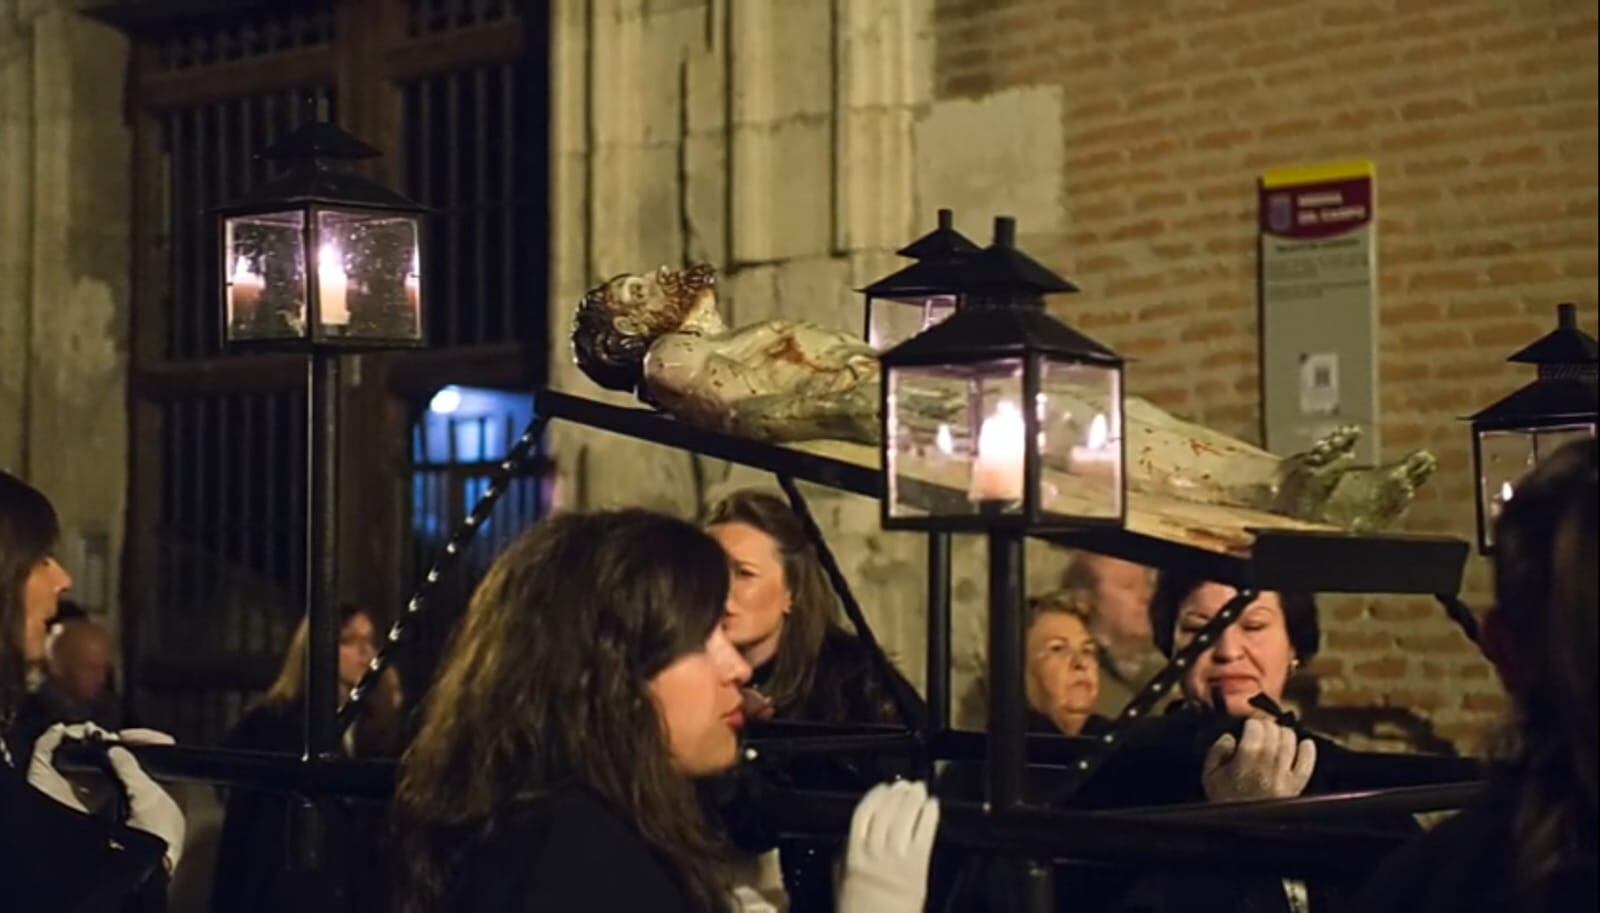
1546,401
315,177
933,276
997,270
319,139
982,333
1002,267
1565,345
943,241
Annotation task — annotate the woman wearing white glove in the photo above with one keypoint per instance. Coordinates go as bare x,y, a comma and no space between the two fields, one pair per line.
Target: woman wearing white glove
1228,739
891,843
150,808
53,856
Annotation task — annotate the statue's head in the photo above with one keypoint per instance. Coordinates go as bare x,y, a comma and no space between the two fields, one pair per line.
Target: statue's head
620,318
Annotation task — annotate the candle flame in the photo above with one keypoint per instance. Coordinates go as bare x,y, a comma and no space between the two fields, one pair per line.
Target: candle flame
997,471
1505,491
329,260
1099,432
1000,438
945,440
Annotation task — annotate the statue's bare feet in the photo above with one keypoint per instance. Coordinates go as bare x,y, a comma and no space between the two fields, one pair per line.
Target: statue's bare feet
1334,447
1308,479
1373,498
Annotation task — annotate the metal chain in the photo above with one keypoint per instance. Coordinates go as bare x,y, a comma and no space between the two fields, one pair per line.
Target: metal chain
443,563
1145,701
912,712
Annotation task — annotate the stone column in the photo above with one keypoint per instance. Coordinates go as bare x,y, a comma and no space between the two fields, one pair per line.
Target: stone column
774,141
64,278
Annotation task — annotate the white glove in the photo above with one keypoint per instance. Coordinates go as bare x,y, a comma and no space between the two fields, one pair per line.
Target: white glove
42,773
891,842
143,737
150,808
1267,761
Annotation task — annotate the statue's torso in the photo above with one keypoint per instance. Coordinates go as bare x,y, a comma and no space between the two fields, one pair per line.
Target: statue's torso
764,359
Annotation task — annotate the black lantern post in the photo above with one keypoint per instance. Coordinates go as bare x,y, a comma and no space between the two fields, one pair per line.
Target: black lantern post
1511,436
321,260
975,409
904,303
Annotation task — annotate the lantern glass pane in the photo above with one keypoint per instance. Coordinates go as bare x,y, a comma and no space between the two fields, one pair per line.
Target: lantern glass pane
264,289
1548,440
891,321
369,285
1503,458
1080,440
955,439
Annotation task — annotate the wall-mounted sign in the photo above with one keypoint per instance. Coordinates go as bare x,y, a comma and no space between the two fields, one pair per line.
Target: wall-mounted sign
1318,258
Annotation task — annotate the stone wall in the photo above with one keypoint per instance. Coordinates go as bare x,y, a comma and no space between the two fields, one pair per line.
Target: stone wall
795,143
722,132
64,277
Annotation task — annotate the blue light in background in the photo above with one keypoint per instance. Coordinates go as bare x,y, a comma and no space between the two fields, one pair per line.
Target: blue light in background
456,442
446,401
470,425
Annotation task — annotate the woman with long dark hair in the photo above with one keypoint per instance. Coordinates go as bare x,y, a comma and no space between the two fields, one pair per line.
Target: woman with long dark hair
1529,842
784,617
589,684
53,854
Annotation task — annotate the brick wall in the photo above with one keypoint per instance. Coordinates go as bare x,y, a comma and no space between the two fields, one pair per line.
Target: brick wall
1481,118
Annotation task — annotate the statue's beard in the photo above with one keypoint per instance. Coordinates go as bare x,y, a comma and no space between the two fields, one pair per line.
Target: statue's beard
684,286
677,308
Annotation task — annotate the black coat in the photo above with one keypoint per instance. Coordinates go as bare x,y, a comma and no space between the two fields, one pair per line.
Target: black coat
565,852
255,872
846,686
56,860
1159,762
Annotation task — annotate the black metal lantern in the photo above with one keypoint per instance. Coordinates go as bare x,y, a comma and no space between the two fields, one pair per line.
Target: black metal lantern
1511,436
904,303
1002,417
321,257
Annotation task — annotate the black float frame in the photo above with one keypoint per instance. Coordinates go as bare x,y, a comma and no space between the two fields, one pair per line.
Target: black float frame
1242,835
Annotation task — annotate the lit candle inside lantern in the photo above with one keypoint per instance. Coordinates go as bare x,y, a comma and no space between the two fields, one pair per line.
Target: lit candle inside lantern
1500,499
244,291
333,286
945,440
413,288
1097,455
997,470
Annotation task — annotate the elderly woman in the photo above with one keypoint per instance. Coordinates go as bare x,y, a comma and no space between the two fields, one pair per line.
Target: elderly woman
1063,671
1246,671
